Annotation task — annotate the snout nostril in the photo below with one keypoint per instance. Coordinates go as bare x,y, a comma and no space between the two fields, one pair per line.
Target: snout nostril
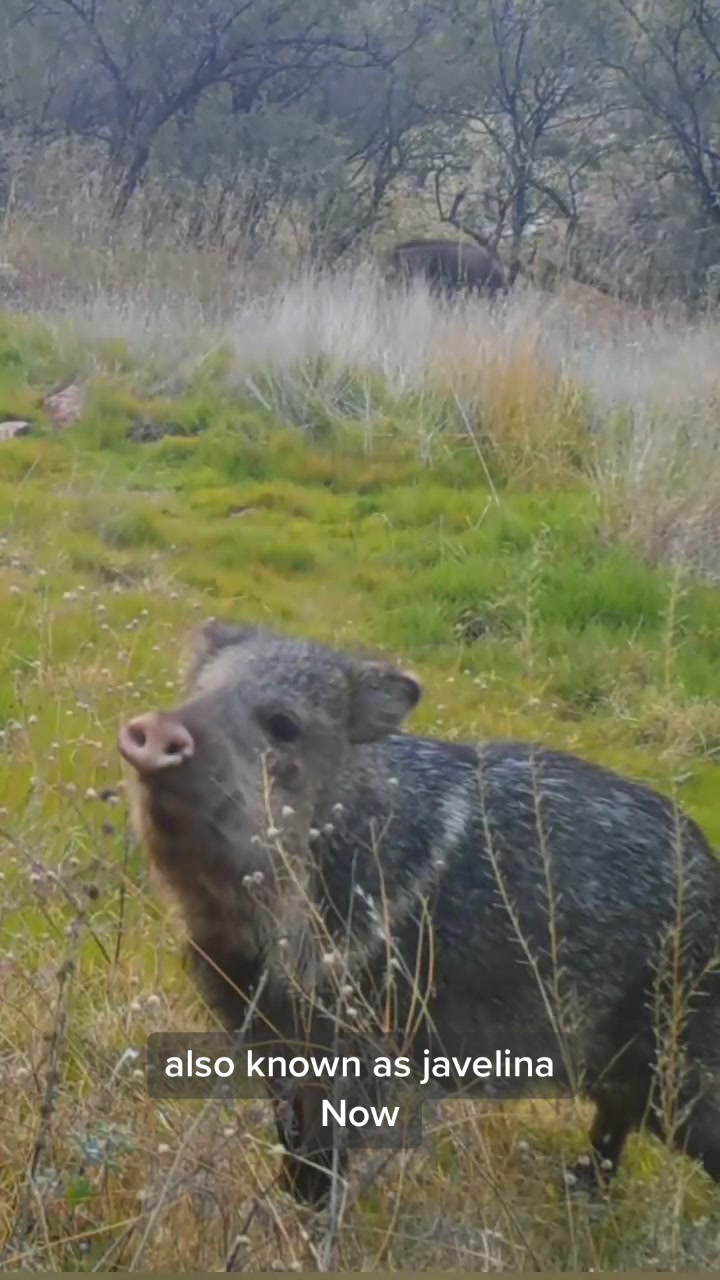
155,741
137,734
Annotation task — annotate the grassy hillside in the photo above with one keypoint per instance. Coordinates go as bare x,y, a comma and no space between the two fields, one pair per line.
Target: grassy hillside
491,516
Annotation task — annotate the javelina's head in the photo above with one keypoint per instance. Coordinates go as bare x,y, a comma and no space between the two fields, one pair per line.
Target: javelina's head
253,752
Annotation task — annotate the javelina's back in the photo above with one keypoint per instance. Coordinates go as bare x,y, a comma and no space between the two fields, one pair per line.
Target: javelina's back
448,265
544,873
534,899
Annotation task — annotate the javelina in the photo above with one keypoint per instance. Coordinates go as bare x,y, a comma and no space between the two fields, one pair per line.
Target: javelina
548,882
447,266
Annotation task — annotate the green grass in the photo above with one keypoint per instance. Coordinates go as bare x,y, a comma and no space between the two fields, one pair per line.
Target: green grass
521,617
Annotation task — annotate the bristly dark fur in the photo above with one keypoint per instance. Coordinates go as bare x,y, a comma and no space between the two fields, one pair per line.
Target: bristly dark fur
448,266
547,880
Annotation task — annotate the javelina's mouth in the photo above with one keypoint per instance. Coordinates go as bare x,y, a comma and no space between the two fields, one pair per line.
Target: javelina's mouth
155,742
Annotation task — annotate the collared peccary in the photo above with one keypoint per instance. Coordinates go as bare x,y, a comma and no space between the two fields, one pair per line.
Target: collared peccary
509,896
448,266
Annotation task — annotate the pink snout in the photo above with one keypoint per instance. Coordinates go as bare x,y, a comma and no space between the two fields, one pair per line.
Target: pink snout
155,741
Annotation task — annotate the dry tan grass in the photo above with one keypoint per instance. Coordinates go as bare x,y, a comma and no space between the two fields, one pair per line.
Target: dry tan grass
539,381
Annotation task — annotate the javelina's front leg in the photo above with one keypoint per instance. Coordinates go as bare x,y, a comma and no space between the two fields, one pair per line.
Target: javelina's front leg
308,1163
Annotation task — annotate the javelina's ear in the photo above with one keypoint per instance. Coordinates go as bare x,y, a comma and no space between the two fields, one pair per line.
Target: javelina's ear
382,696
209,638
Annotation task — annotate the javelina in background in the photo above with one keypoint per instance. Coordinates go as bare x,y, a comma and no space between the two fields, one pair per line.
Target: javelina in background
282,799
447,266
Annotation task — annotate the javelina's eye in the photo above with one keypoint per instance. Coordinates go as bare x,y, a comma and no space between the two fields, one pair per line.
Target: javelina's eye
281,726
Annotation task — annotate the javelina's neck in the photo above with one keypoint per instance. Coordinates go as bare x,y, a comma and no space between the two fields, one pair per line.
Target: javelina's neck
253,911
229,916
396,817
364,775
376,778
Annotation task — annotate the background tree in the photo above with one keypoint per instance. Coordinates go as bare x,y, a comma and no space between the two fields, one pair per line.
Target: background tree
587,135
666,61
530,119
